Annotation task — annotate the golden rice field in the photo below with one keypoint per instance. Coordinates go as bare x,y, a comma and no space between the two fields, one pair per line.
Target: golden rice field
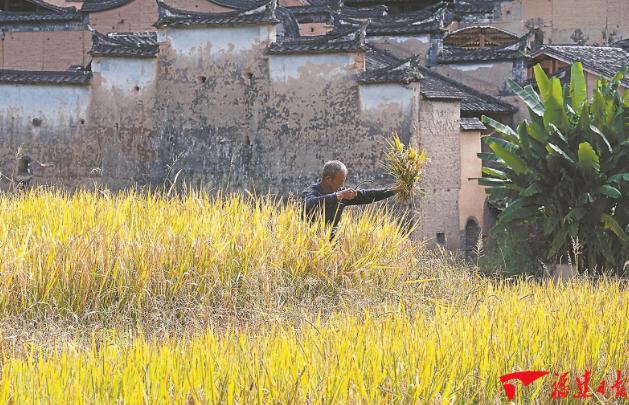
130,298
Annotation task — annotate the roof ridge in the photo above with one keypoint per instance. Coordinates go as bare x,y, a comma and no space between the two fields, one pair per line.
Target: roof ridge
169,15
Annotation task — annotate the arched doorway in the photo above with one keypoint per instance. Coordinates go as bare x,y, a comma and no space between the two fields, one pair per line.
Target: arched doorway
472,234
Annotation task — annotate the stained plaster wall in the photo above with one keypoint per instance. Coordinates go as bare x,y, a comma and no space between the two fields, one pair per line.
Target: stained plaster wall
317,112
97,134
439,135
42,121
211,90
123,123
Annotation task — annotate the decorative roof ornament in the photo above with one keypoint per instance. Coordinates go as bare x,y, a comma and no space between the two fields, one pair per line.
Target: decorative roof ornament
173,17
137,44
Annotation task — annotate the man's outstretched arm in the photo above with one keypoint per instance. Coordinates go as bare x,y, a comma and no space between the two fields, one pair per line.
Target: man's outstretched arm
371,195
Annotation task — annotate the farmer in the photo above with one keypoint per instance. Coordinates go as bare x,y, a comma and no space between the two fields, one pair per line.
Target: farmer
331,195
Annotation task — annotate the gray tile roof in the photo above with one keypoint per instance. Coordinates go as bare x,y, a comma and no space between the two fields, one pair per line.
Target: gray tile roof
289,22
51,13
173,17
8,18
376,58
45,77
239,4
346,41
364,12
436,86
453,54
137,44
472,124
91,6
381,68
603,61
405,72
396,25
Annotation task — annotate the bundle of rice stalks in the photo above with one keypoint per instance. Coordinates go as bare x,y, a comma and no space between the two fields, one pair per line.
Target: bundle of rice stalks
406,165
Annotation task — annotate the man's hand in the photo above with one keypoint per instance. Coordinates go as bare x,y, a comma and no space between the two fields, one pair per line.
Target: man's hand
348,194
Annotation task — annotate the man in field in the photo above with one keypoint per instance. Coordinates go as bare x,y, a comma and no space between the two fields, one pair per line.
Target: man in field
331,196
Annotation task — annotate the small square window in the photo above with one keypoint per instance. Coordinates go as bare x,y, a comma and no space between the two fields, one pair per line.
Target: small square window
441,238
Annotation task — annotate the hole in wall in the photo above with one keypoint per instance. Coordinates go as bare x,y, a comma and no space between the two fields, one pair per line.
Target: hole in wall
441,238
136,88
36,122
201,79
82,121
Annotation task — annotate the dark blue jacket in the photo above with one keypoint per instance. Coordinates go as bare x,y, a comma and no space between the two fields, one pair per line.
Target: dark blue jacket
316,200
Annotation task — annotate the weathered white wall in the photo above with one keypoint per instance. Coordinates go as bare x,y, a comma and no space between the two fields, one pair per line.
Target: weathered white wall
380,97
58,107
283,67
125,73
191,41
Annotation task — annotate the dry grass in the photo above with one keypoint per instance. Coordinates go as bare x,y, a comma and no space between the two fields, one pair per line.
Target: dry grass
406,165
143,298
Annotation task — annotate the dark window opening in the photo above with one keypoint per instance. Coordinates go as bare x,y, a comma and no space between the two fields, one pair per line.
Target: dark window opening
441,238
36,122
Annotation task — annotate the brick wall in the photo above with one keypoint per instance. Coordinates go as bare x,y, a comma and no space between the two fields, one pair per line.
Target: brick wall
54,50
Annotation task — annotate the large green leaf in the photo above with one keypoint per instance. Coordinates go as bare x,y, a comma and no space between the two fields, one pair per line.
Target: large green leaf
529,96
543,83
510,158
510,146
609,191
537,132
578,91
489,157
602,136
554,112
588,159
531,190
492,182
494,173
505,130
618,178
554,148
612,225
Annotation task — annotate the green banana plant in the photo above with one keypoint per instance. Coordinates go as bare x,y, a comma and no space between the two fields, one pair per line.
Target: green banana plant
566,169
